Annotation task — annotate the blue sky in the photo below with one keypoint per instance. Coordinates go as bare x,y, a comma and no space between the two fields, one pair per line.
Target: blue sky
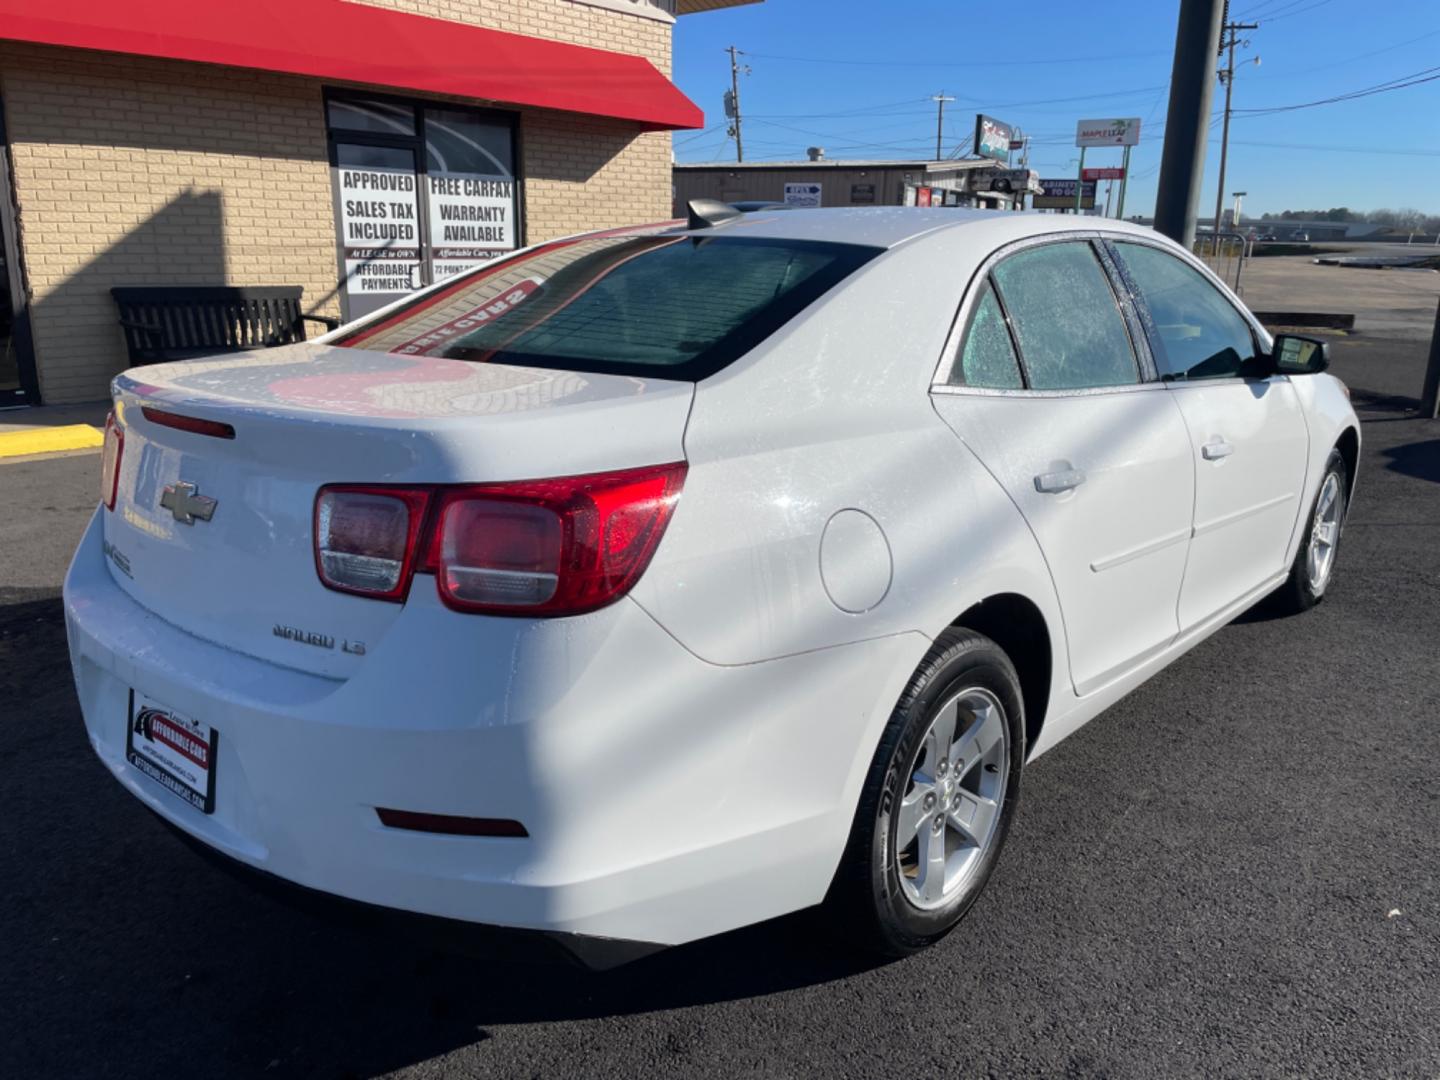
854,77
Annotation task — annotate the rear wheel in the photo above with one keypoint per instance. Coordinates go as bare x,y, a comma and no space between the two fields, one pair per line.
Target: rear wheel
938,799
1314,564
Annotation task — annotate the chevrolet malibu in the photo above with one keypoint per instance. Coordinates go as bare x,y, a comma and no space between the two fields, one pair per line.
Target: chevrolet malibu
649,583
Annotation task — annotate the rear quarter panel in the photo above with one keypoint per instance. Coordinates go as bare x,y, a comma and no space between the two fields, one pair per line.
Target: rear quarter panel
833,414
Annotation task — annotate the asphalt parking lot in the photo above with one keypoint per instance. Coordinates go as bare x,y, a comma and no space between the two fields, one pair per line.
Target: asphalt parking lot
1233,872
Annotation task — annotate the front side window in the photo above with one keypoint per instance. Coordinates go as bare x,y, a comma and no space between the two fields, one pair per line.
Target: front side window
1201,334
1066,319
987,358
656,304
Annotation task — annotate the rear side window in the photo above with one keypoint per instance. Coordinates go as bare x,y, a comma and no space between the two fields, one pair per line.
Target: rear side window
662,305
987,359
1201,334
1066,319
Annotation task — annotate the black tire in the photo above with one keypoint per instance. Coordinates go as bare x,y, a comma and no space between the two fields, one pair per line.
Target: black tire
1300,592
866,903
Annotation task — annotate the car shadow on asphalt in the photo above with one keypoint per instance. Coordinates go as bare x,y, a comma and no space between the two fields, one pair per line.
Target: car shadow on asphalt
108,916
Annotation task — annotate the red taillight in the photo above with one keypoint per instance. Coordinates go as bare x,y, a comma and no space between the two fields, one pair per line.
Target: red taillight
110,461
534,547
193,424
550,547
366,538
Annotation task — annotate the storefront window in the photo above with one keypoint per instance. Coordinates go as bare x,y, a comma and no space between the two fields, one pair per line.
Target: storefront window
423,192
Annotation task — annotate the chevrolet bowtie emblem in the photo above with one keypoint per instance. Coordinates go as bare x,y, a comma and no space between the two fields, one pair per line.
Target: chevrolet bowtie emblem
185,501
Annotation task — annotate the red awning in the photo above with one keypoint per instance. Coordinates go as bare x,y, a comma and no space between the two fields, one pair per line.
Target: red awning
332,39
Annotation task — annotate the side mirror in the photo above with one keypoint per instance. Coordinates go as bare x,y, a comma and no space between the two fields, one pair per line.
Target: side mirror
1295,355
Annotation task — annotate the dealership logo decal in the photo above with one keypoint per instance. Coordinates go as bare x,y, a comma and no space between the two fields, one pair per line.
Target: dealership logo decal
179,734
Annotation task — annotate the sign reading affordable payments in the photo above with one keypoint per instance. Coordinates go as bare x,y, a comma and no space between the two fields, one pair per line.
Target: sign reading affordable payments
1108,172
1108,132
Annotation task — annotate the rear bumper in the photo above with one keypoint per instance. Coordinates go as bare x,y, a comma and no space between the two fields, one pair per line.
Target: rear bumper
666,798
479,940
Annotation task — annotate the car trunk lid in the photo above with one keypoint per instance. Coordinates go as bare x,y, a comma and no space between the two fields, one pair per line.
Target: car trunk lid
309,415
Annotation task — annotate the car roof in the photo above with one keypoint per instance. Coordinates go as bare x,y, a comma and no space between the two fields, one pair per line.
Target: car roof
889,226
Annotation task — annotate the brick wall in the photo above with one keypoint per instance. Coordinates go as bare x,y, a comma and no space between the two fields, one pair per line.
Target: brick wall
583,173
135,171
558,20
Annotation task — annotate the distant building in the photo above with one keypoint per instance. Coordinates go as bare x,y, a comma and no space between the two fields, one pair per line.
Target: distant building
826,182
1316,230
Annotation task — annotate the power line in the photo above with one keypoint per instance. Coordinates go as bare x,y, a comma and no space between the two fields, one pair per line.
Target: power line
1339,149
1310,69
1287,14
697,136
1399,83
968,64
850,112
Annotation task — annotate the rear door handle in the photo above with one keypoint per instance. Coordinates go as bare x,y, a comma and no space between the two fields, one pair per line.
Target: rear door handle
1052,483
1216,449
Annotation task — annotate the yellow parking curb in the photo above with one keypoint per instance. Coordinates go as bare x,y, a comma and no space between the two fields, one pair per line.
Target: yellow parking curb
49,440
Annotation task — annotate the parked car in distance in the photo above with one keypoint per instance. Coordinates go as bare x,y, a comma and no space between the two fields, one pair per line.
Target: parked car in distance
1300,237
1266,238
648,583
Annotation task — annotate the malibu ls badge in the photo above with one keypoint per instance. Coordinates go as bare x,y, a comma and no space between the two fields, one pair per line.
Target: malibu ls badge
184,501
319,640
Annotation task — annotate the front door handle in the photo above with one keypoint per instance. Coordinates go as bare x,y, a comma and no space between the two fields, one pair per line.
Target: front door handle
1052,483
1216,449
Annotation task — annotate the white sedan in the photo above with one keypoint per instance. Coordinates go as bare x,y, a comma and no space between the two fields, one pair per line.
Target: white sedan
649,583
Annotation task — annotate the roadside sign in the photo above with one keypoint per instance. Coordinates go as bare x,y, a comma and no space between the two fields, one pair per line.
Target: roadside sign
1108,172
992,138
1017,144
1060,195
803,195
862,193
1108,132
922,196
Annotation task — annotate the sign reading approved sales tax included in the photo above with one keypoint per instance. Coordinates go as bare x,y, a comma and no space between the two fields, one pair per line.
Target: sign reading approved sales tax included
380,230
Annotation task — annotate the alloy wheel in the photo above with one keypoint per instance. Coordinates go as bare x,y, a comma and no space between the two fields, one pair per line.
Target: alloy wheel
1324,533
950,811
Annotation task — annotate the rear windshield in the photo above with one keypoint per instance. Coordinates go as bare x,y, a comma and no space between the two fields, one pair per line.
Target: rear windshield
669,306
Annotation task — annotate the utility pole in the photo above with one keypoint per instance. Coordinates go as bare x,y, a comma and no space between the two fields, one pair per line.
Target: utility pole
1187,123
1228,78
940,99
732,106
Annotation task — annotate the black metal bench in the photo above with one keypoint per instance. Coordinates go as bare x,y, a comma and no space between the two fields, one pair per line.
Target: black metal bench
184,321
